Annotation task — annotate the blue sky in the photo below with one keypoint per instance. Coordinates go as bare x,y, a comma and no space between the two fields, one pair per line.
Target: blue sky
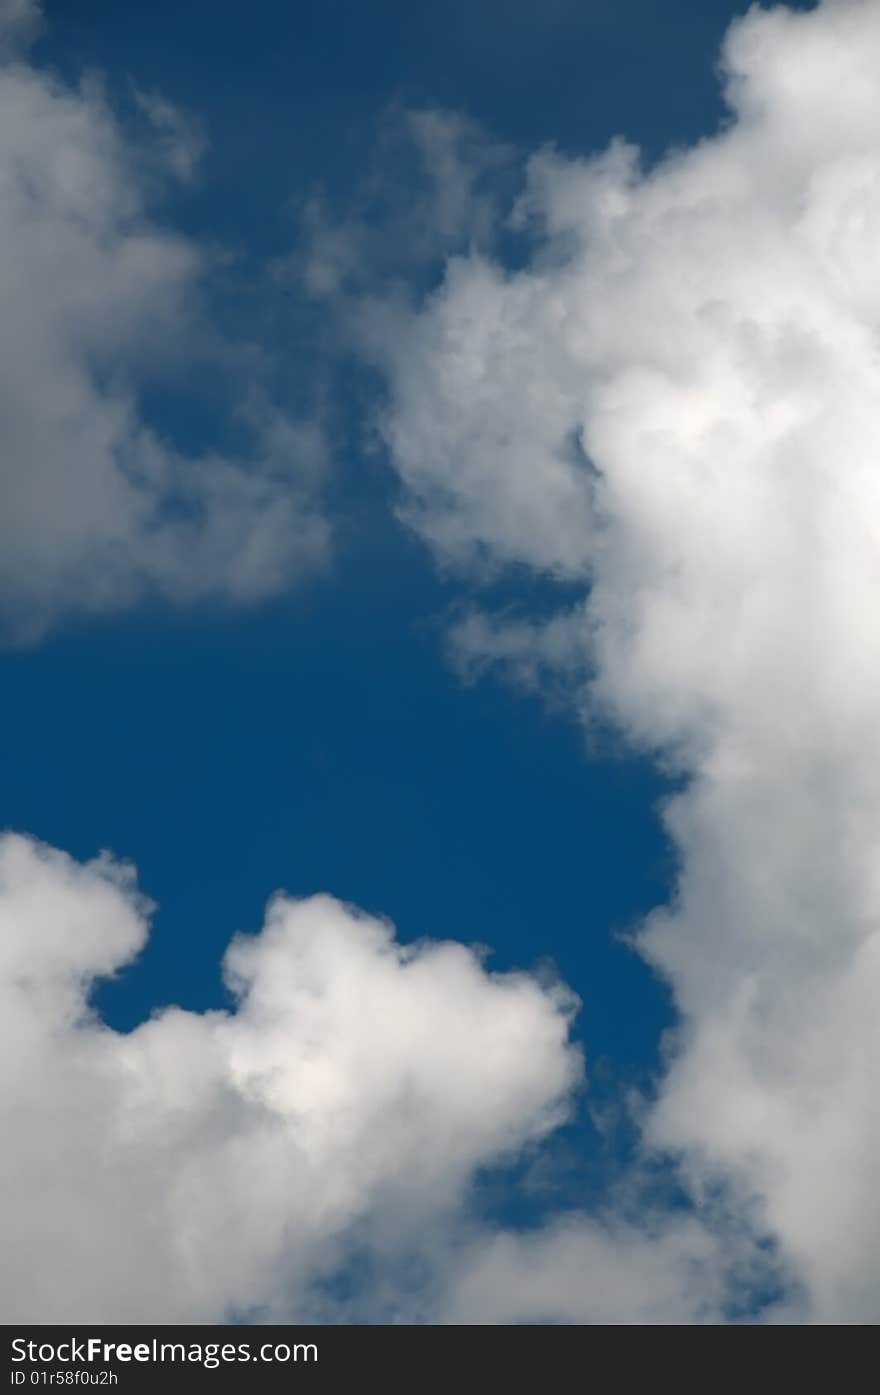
341,700
475,416
324,744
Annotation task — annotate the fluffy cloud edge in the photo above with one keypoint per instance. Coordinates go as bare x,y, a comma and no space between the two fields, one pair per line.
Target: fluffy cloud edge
103,304
232,1162
671,405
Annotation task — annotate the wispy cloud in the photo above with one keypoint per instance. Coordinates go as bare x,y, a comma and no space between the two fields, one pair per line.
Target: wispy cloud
20,22
101,303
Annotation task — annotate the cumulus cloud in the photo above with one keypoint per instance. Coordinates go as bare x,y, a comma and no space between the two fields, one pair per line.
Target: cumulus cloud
101,306
676,403
231,1163
673,406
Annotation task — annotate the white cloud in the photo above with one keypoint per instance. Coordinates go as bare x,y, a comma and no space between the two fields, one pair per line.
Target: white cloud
674,404
100,303
678,402
575,1270
227,1162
